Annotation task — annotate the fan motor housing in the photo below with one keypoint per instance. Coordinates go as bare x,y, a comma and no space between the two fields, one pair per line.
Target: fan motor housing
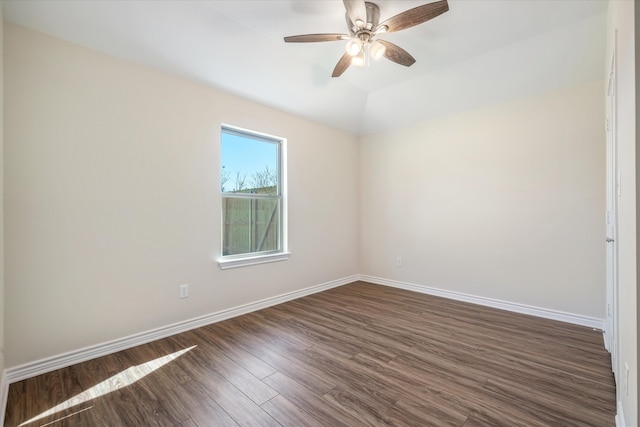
373,19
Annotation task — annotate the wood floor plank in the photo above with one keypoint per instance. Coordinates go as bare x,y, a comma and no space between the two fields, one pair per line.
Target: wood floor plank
227,344
565,408
359,354
268,326
368,410
130,397
436,411
290,415
18,402
241,408
310,402
353,376
80,388
246,382
203,410
188,423
286,362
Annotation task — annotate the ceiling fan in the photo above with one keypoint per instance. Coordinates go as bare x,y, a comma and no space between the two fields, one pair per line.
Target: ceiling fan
363,21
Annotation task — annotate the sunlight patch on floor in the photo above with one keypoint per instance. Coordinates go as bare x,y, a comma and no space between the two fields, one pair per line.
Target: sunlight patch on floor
120,380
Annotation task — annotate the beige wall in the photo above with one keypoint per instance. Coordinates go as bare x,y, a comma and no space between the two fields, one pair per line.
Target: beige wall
621,21
504,202
112,199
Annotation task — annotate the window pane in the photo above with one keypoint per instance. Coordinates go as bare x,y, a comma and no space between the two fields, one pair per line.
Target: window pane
249,165
250,225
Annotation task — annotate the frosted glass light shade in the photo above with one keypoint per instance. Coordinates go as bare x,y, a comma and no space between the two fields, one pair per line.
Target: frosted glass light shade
360,59
377,49
354,46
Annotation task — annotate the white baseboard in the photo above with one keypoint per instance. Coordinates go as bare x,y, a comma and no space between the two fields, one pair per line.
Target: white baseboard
4,393
49,364
620,416
576,319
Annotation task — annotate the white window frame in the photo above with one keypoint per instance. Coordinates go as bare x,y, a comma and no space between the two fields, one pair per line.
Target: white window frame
253,258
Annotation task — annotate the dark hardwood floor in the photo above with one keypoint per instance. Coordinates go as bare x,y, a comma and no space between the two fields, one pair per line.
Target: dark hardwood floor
359,354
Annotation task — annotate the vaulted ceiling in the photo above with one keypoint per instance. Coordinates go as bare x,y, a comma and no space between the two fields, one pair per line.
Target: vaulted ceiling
479,52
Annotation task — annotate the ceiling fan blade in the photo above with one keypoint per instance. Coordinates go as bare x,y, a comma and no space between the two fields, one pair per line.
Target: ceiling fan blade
415,16
310,38
342,65
356,10
397,54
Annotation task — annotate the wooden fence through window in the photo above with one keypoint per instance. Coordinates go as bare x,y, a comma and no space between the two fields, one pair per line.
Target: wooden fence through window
250,225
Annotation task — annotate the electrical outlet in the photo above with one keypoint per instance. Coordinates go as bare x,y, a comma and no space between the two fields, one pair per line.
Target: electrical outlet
184,291
399,261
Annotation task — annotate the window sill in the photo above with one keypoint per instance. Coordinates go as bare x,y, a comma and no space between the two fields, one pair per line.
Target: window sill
225,264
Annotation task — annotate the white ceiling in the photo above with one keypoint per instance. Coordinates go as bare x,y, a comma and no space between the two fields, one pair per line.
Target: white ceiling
479,52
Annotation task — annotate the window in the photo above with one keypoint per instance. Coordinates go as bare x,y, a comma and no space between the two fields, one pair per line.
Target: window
253,204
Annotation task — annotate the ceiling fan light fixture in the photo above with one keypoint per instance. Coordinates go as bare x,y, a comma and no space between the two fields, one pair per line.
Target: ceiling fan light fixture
354,46
360,60
377,50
